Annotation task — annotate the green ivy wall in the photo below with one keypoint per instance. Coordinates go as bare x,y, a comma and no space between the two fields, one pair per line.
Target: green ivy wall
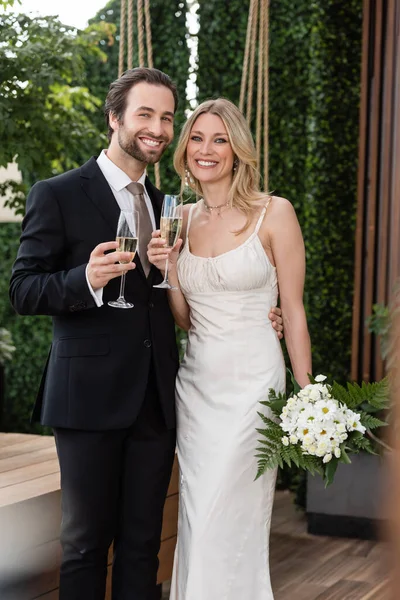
315,58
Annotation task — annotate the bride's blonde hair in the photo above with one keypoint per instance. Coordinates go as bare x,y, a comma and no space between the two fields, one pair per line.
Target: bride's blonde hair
245,192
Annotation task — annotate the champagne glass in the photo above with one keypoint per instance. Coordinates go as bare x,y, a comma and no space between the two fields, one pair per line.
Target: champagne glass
170,228
127,238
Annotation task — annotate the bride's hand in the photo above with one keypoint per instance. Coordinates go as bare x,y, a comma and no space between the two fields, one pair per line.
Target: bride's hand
158,254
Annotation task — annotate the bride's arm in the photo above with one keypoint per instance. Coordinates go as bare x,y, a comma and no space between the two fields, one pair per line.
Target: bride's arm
157,256
287,247
177,302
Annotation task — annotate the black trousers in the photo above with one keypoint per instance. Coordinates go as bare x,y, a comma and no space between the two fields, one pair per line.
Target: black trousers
114,485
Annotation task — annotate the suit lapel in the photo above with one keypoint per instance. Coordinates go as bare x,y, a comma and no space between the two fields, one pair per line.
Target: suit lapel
96,188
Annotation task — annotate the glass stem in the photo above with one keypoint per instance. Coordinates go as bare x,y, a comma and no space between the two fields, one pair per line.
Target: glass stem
122,287
166,271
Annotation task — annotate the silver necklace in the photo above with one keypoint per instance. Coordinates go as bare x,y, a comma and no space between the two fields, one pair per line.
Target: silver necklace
218,207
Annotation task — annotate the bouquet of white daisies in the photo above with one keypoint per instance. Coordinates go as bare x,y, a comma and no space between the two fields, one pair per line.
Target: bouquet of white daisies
320,425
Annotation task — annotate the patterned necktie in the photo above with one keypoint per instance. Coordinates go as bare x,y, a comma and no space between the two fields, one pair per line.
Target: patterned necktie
145,226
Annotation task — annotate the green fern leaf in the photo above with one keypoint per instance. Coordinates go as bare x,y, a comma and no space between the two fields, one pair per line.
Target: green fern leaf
360,442
341,394
371,422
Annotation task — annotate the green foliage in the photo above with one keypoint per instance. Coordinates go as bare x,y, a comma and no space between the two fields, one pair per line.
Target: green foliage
360,441
45,108
372,397
331,180
170,54
275,402
221,44
181,340
8,3
371,422
6,346
32,339
379,323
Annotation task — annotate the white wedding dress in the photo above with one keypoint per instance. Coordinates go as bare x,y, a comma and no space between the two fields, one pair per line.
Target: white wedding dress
233,357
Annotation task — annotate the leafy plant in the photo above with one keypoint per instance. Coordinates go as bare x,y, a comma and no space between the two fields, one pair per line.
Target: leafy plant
32,339
46,110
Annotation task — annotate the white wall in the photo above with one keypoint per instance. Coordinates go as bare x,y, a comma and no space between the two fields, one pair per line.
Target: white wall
11,172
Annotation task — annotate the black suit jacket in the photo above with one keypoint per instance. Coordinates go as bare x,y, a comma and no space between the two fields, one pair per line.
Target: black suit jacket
98,366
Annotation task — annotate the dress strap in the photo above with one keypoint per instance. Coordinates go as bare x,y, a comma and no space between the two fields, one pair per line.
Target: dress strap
261,217
192,207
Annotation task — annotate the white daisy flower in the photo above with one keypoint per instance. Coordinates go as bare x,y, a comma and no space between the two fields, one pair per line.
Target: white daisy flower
320,378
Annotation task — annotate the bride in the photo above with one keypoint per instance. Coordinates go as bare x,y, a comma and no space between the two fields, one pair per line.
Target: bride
238,247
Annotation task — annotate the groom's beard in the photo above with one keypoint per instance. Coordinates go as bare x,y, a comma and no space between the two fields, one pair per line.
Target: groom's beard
132,146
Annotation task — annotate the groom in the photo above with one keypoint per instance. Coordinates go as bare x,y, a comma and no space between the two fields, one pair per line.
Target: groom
109,383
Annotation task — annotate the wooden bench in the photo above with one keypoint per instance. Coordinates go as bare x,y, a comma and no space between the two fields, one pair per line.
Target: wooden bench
30,516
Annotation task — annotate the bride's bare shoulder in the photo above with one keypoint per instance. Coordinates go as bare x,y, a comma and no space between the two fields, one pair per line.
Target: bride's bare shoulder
277,203
279,217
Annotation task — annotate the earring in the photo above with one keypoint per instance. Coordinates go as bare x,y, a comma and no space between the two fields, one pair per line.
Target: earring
188,175
235,164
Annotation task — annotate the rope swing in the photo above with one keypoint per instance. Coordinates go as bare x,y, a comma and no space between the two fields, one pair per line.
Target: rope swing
255,56
144,33
257,47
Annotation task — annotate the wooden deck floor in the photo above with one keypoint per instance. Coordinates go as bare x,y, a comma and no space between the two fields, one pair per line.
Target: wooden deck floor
305,567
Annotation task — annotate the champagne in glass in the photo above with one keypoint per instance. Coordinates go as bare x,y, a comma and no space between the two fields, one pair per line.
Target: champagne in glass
127,239
170,229
127,244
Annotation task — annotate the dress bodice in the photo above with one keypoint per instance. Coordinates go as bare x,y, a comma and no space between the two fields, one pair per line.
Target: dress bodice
240,285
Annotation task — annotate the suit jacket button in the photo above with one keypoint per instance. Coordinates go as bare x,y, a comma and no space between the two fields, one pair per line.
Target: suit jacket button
151,305
147,343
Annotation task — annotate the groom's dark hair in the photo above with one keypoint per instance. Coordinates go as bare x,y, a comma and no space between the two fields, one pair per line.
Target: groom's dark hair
116,98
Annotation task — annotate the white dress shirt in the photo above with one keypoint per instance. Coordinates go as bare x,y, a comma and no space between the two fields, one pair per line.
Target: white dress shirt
117,179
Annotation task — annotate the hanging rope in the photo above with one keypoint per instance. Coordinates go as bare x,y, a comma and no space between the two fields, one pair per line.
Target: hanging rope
266,94
121,39
148,34
149,47
140,32
246,56
260,89
143,27
257,47
252,61
130,34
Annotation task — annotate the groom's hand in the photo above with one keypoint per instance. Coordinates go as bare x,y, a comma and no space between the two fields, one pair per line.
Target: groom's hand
275,316
104,267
